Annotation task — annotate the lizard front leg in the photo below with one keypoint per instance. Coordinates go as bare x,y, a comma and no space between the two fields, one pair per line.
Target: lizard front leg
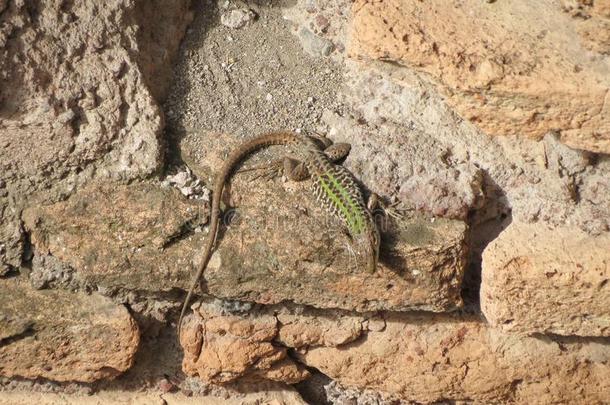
337,151
295,170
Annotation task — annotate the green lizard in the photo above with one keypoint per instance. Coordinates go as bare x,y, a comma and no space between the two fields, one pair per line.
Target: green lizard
333,185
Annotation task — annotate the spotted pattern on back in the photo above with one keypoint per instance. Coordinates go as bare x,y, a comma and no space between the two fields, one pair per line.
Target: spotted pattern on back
338,192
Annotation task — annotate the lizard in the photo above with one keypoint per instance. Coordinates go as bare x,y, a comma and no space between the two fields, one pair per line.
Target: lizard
334,187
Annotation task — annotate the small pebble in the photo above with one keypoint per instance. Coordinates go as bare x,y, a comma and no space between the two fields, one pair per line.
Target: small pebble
166,386
315,45
237,18
322,23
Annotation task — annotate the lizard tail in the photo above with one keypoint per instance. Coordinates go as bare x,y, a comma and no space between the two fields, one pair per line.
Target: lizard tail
261,141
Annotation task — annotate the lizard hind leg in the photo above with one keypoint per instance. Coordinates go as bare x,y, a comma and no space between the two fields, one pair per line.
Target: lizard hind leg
349,249
267,171
375,204
295,170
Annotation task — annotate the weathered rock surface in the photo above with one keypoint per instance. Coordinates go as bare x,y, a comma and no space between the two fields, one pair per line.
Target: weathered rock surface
417,357
429,358
408,144
439,163
592,19
504,86
121,235
221,348
541,280
140,237
282,246
63,336
314,328
274,396
74,102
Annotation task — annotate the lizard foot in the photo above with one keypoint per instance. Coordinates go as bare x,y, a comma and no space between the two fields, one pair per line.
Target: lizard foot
391,210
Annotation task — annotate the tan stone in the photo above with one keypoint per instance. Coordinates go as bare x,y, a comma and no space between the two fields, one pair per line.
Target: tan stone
513,67
318,328
75,98
427,358
273,396
121,235
221,348
592,19
417,357
76,89
536,279
74,92
281,246
139,237
63,336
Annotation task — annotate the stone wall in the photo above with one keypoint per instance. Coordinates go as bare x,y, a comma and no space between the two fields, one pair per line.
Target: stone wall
485,126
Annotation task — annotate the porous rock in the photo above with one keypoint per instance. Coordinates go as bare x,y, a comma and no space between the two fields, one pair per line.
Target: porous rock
538,279
221,348
504,86
63,336
77,88
138,236
427,358
281,245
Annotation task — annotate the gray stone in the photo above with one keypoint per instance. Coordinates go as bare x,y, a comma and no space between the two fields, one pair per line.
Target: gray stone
237,18
314,44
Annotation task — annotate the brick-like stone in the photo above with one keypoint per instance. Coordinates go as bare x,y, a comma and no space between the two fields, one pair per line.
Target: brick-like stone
427,358
537,279
281,246
424,358
63,336
126,236
221,348
80,88
500,76
318,328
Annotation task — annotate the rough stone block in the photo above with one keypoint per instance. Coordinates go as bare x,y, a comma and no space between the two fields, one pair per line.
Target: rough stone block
424,358
504,86
221,348
63,336
430,358
536,279
281,245
138,236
